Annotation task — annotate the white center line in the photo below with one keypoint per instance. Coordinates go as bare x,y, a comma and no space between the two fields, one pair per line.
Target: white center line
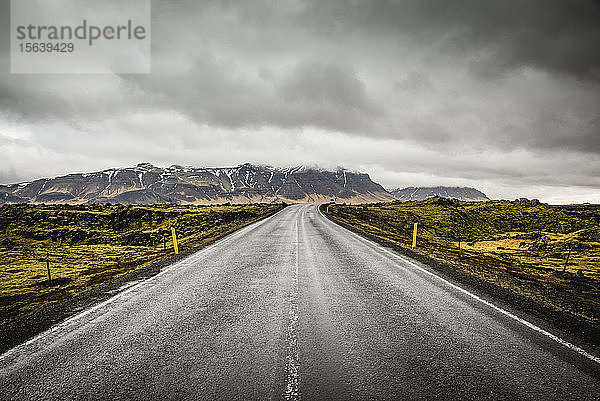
291,390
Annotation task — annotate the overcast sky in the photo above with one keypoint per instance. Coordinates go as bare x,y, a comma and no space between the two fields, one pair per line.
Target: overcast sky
500,95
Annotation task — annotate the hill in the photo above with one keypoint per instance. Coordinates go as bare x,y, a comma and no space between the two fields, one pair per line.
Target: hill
247,183
422,193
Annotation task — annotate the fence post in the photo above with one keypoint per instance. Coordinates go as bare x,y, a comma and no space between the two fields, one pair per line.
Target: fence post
567,260
48,268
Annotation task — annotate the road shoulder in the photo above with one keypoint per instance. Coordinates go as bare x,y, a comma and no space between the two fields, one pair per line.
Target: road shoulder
562,324
25,327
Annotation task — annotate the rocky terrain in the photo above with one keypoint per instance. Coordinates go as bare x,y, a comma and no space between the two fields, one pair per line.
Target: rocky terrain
148,184
422,193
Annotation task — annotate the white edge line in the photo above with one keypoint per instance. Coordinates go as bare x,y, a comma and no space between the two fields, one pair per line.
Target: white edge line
121,294
532,326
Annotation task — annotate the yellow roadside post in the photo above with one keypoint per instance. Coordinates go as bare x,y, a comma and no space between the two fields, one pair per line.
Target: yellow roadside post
415,235
174,241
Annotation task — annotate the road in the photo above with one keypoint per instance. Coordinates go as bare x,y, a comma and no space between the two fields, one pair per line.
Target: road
295,307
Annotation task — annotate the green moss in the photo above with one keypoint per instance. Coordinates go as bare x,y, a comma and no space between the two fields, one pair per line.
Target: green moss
516,244
86,245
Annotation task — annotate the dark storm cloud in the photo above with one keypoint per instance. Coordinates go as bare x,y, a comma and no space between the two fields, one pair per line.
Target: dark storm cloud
327,85
489,38
556,35
328,96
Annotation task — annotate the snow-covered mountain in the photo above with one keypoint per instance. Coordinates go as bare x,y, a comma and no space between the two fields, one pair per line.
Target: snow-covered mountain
148,184
420,193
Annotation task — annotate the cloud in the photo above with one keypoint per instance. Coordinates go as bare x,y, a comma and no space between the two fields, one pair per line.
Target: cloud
503,93
553,35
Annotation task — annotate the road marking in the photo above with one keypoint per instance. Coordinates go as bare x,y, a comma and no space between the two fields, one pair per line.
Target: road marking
506,313
28,348
291,367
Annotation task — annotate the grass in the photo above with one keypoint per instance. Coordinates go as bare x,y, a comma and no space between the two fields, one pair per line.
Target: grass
87,245
520,245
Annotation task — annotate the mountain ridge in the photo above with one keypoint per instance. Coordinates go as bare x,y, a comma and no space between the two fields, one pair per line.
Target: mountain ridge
245,183
421,193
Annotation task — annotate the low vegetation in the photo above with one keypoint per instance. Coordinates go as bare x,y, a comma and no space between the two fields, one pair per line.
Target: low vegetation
550,254
81,246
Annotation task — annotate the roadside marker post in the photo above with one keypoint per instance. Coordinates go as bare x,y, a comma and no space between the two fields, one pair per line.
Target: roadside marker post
174,241
414,244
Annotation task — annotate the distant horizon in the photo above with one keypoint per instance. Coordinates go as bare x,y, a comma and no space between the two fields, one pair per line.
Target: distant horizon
316,167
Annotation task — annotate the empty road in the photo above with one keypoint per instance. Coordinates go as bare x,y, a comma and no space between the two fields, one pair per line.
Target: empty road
296,307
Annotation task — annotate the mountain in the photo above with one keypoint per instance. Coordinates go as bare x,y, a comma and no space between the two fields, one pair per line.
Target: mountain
147,184
420,193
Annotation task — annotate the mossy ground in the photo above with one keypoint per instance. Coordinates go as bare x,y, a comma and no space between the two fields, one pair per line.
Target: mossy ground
519,245
86,245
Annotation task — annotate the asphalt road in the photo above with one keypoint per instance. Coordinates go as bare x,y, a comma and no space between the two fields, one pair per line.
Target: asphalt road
295,307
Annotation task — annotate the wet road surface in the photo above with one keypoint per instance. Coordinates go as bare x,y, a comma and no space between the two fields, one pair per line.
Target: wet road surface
296,307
